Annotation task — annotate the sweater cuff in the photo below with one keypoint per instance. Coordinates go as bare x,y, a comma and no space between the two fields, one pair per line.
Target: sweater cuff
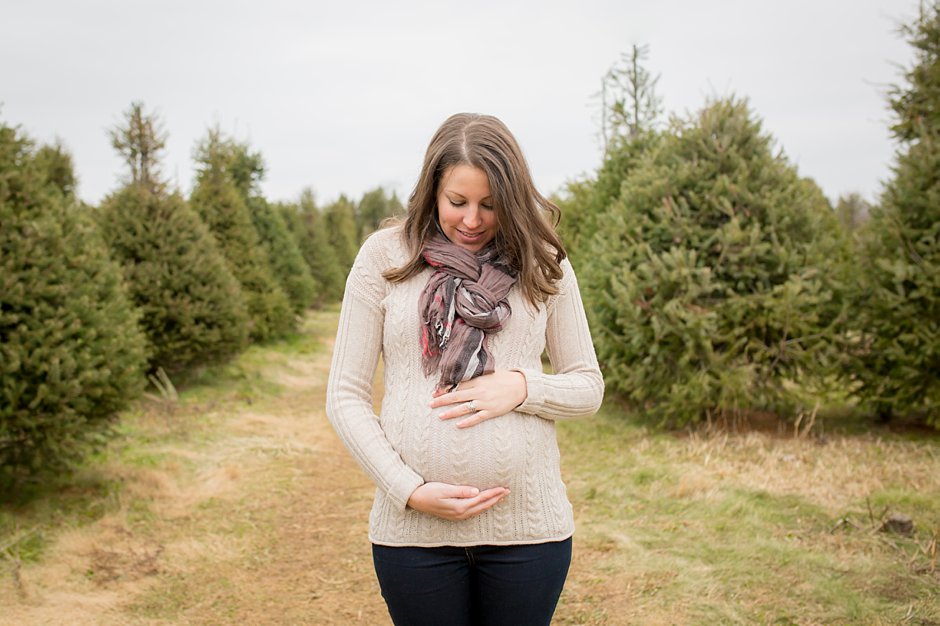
535,388
404,485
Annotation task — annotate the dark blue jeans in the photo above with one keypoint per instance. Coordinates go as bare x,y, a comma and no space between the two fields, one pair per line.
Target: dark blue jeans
473,586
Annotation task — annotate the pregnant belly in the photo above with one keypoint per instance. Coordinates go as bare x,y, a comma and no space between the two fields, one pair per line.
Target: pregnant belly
495,453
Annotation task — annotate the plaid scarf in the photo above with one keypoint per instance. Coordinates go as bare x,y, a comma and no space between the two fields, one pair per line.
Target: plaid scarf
463,302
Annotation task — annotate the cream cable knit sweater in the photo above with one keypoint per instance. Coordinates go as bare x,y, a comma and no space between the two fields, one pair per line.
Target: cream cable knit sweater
407,444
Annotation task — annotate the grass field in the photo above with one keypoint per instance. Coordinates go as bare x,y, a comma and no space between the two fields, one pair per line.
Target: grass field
751,528
236,504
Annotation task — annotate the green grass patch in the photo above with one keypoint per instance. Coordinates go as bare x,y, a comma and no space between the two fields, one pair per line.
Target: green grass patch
80,498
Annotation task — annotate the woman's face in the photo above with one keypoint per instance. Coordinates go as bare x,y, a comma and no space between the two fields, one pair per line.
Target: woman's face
465,208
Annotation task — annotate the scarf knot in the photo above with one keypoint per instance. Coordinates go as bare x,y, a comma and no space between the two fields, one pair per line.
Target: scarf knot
463,303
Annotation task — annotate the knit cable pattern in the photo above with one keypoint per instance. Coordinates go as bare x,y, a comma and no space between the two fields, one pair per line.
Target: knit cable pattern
406,444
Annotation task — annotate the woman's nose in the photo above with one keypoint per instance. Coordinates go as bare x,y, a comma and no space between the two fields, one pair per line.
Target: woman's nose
472,217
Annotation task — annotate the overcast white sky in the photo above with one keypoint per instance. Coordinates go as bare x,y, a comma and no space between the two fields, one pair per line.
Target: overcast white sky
344,96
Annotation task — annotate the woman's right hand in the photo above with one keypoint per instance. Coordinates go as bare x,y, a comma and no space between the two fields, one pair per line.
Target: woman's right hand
454,502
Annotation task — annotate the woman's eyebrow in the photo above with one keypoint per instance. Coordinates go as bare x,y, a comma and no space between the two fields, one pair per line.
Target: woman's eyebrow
457,193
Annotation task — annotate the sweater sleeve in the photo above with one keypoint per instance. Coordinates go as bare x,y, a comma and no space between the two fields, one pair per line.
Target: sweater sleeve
349,390
576,388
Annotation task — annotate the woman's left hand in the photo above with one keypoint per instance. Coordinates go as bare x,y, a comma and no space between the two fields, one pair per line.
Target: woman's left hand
483,397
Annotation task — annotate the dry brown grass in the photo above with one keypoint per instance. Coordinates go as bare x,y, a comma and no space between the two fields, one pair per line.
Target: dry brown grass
749,527
834,472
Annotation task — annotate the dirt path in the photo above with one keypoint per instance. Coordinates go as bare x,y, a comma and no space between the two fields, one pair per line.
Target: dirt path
252,514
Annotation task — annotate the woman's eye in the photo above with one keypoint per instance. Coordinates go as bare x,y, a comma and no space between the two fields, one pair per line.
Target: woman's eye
457,203
488,207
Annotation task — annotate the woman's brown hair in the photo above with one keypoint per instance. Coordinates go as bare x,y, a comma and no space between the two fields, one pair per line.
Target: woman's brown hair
524,237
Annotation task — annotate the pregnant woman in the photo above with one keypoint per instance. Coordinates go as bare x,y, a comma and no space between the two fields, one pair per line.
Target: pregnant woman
471,523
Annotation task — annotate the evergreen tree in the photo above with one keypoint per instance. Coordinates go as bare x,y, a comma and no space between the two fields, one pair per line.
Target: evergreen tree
584,204
290,215
374,208
219,199
340,223
576,203
140,140
56,162
246,170
318,251
716,277
284,254
915,102
630,112
193,309
70,350
630,106
852,211
898,358
294,221
395,206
